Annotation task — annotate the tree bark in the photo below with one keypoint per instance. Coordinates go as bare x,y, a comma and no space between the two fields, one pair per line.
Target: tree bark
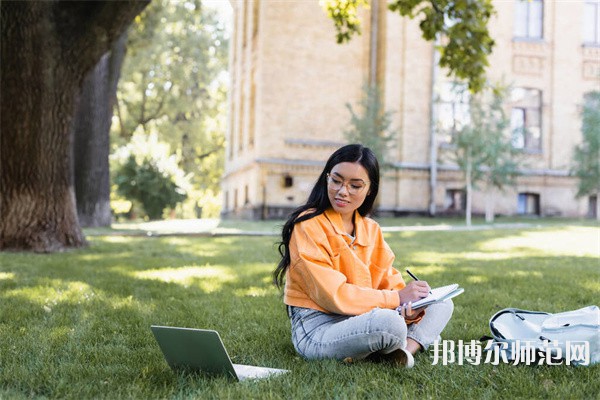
91,132
47,48
489,203
469,189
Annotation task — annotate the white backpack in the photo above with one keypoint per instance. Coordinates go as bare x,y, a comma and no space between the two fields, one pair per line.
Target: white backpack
571,337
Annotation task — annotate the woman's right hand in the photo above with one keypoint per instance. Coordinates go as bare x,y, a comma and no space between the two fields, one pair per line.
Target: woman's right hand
413,291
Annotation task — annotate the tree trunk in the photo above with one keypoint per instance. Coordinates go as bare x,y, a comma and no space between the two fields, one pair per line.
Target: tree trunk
489,204
91,131
469,190
433,117
47,48
598,206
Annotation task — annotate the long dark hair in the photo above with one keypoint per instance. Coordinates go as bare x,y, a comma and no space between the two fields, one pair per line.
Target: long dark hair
318,201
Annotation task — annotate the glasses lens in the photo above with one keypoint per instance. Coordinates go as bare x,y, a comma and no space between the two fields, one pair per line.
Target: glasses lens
355,189
333,183
352,187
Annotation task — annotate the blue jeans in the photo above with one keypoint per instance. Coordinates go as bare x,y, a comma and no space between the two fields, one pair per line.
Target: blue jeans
317,335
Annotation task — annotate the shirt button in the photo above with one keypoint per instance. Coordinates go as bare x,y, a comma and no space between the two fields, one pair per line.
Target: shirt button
353,247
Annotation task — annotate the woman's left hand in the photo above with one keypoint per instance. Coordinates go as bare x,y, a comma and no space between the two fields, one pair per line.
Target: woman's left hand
408,313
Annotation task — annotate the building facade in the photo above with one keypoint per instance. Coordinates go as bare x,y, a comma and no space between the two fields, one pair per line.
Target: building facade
291,84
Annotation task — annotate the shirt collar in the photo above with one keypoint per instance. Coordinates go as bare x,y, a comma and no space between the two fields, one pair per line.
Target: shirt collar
338,225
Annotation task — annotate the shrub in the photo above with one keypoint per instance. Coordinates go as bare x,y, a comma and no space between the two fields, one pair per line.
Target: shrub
148,174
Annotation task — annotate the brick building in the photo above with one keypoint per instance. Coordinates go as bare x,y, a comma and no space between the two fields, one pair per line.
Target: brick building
290,83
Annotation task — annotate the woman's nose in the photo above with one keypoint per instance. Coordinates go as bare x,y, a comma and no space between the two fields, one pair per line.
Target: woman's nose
343,189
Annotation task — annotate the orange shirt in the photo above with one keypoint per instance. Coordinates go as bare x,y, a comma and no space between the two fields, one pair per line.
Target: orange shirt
332,273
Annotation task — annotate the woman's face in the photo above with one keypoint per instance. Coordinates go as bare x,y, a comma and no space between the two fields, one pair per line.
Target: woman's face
347,187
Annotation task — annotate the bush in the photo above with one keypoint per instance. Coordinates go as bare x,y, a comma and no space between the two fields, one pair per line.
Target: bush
146,173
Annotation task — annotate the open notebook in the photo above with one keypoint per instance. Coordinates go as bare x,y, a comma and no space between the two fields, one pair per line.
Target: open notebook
437,295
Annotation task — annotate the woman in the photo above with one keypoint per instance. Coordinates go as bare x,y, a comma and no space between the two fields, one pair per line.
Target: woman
344,298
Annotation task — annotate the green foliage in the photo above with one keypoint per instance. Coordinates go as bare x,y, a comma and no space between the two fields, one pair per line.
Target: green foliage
174,85
461,26
586,156
344,14
371,125
147,174
75,325
483,146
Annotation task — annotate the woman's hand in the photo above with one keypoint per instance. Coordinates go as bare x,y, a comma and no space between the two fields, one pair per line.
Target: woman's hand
407,312
414,291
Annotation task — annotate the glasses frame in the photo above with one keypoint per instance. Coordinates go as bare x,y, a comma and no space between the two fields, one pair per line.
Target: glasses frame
347,183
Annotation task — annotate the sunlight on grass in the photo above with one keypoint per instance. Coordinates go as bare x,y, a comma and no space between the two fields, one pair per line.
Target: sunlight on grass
522,274
172,225
429,270
252,291
118,239
408,234
571,241
437,257
7,275
478,279
53,292
209,278
593,285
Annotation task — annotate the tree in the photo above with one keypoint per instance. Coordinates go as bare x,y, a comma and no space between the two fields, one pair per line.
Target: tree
483,148
93,118
47,49
463,25
586,156
371,125
173,84
147,173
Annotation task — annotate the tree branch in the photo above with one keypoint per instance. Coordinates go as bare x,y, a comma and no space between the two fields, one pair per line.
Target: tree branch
88,28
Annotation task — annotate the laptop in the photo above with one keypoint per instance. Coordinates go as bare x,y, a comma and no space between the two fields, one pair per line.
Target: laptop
202,350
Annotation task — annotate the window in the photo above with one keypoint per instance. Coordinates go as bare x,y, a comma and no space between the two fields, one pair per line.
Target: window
455,200
591,22
288,181
452,109
525,119
529,17
528,204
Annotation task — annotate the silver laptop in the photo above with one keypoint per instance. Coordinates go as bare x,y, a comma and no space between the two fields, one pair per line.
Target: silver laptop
203,350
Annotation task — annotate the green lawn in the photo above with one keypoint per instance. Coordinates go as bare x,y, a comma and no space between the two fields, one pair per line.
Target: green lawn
77,324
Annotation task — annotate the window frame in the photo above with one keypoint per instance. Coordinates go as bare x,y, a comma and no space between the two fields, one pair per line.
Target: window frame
596,23
524,24
453,96
522,137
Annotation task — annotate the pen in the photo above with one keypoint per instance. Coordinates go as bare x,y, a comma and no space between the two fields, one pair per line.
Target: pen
413,276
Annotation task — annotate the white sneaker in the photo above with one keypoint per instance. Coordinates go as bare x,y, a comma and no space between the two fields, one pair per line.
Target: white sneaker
404,358
400,357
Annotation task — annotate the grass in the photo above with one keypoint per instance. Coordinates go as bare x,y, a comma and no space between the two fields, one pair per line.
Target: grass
76,324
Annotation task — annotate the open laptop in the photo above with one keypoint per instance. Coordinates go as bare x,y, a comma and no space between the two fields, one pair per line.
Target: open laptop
203,350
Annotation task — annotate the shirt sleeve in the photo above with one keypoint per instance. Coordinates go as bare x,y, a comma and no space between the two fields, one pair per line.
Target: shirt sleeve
324,283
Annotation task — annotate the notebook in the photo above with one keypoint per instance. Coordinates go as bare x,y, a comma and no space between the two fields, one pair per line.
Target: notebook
202,350
437,295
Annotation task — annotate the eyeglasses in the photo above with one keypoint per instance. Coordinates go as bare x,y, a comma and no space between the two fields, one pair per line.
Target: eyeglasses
354,186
